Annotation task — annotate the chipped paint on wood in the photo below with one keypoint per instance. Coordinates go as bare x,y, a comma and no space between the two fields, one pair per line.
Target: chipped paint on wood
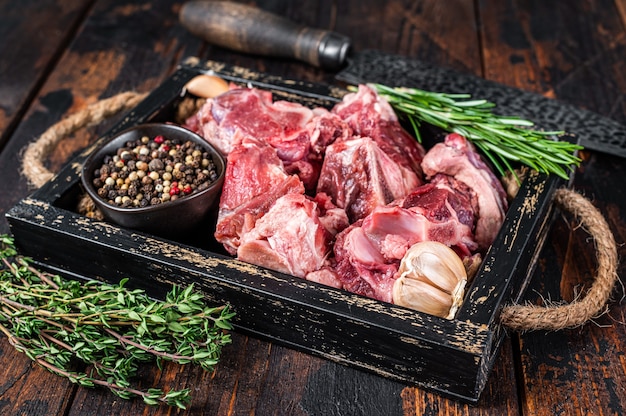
450,356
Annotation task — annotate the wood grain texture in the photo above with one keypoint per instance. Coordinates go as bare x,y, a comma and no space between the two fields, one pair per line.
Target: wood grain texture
575,54
96,64
20,395
586,362
34,34
569,50
500,396
129,46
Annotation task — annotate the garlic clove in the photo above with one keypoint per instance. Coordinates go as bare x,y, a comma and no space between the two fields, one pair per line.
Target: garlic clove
432,279
421,296
207,86
434,269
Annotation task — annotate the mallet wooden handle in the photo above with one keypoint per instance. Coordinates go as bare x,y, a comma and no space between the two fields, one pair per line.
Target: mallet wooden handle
247,29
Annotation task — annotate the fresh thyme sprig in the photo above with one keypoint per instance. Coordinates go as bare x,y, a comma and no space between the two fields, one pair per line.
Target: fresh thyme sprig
110,328
501,139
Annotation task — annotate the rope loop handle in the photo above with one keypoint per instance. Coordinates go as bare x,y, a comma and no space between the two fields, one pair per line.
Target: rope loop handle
516,317
37,152
533,317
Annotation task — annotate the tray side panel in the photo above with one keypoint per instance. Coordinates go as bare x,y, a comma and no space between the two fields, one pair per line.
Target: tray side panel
441,355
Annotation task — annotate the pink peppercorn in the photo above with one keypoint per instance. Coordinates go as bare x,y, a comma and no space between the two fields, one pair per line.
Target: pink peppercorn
159,139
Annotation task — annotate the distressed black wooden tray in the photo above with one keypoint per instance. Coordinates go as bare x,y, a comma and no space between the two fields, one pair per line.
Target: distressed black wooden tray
451,357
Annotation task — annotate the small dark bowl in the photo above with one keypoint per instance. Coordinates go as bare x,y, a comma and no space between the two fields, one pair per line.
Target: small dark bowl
171,219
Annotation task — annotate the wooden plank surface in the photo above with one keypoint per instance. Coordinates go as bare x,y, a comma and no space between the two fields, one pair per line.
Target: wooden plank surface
34,34
573,51
574,54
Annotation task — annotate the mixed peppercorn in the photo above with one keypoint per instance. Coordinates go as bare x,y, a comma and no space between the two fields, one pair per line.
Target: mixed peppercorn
151,171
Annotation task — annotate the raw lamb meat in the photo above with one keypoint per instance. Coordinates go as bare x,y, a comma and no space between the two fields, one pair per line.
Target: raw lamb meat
456,157
333,218
359,176
289,238
258,198
370,115
254,179
338,197
252,113
442,197
368,253
379,164
299,134
322,130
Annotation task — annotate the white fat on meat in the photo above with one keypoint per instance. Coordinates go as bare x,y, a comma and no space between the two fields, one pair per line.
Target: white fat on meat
289,238
368,253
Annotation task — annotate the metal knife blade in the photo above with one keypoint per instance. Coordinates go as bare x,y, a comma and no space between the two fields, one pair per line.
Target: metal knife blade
590,130
251,30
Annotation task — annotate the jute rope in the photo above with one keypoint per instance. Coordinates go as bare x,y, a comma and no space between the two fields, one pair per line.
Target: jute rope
516,317
33,161
594,303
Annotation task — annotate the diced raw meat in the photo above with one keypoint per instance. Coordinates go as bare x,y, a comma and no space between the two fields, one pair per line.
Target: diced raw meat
333,218
322,130
325,129
289,238
370,115
299,134
450,208
254,180
360,265
368,253
359,176
367,200
443,197
251,112
456,157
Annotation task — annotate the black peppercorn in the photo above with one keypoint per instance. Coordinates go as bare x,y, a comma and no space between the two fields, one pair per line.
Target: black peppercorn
152,171
132,191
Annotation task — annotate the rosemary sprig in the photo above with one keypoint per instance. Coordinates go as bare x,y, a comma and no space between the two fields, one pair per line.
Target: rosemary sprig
110,328
502,139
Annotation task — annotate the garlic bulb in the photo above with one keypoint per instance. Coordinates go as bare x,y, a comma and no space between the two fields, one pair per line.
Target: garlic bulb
431,279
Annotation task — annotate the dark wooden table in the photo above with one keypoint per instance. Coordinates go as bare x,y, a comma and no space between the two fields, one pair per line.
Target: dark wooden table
58,56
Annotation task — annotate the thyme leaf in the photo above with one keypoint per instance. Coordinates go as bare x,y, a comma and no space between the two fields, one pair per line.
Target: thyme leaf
107,327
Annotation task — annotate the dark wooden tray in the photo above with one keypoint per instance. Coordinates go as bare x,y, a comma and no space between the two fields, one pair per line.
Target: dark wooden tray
452,357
